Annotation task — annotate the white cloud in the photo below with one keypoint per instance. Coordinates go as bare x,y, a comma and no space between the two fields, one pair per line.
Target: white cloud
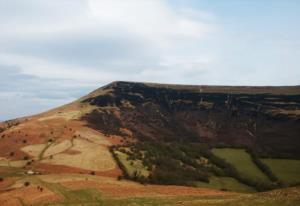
154,21
57,47
54,44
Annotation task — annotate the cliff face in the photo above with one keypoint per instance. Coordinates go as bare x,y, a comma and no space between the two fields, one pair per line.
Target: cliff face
266,119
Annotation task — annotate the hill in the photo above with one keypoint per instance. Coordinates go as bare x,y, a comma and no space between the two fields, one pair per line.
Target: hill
155,134
263,118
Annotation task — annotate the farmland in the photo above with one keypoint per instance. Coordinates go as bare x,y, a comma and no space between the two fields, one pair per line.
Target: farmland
133,167
68,189
241,160
287,170
226,183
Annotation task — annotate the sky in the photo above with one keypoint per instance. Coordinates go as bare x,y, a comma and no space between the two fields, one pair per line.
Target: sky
53,52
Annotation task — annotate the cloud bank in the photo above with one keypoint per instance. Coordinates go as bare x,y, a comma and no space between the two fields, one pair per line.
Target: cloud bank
55,51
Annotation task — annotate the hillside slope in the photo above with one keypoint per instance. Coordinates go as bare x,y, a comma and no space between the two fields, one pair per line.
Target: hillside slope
266,119
154,134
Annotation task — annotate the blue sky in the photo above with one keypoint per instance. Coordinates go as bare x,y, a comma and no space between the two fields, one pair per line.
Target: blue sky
53,52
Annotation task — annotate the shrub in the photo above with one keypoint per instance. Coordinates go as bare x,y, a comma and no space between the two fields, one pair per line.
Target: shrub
177,164
263,167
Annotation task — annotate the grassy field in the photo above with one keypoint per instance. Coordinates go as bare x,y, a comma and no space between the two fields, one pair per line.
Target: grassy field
56,153
132,166
226,183
288,171
11,171
261,199
75,196
87,196
95,196
242,161
98,160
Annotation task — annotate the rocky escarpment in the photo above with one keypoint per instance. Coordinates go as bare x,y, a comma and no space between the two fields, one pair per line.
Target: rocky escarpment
265,119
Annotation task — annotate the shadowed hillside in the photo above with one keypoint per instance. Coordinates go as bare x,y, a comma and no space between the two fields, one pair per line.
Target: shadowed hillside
265,119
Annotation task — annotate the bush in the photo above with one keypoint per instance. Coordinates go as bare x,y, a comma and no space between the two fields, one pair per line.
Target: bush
121,166
172,165
26,184
231,171
263,167
177,164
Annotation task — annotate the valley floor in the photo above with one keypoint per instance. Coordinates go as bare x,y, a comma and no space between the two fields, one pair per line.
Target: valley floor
80,189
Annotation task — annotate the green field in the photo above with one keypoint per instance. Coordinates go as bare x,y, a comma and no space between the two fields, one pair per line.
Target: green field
288,171
242,161
226,183
132,166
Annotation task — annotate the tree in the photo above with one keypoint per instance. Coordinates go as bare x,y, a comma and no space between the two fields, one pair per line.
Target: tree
26,184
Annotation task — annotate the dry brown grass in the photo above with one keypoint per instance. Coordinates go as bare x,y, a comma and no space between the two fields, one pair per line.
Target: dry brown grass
34,150
57,148
30,195
8,163
92,157
92,136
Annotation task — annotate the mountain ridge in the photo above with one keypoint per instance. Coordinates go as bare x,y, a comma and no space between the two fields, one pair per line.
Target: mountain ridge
259,100
159,134
294,89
